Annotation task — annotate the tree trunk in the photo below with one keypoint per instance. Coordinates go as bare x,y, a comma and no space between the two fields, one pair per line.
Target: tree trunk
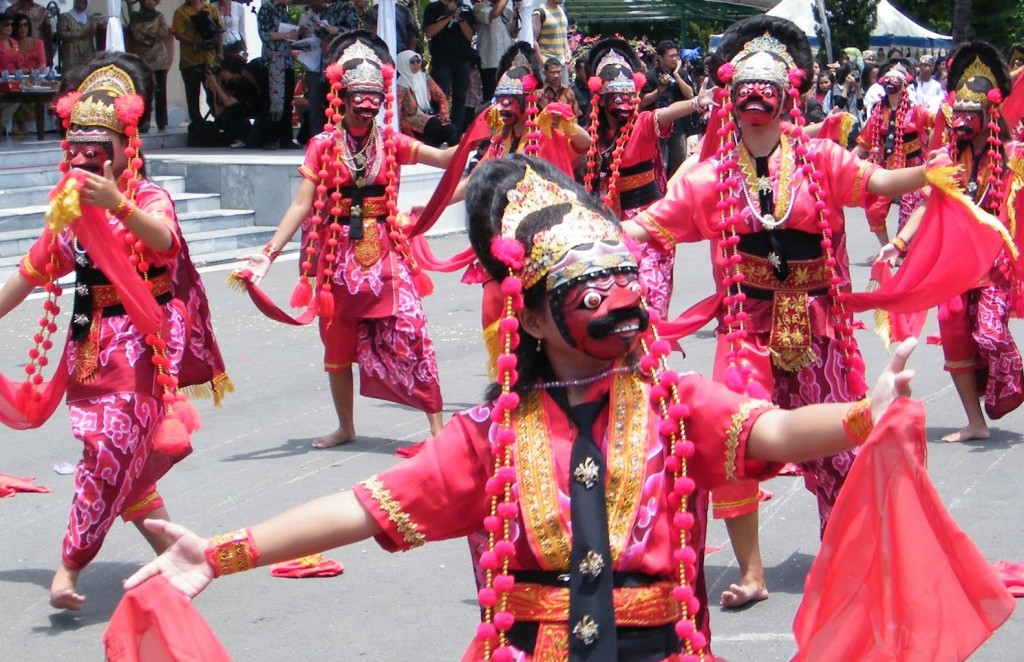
963,11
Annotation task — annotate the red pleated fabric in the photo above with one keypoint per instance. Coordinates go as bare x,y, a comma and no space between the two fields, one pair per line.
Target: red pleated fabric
154,622
896,578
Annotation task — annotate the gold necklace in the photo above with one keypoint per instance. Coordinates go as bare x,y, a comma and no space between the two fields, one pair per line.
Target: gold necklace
754,185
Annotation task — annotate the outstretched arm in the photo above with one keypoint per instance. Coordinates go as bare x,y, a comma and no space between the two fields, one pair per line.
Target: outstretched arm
331,521
814,431
894,183
14,292
679,109
432,156
259,263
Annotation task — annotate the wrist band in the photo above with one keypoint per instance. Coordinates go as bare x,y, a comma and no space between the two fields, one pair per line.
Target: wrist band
124,209
270,251
858,422
233,552
901,246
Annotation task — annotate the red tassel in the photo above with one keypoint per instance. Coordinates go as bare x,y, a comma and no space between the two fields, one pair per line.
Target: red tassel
186,412
302,294
423,284
757,390
856,382
171,437
326,304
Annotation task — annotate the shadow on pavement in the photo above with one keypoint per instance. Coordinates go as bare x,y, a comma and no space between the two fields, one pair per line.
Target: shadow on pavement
999,439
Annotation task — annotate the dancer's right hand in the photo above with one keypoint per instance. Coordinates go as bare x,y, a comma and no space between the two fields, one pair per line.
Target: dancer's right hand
257,264
183,564
890,254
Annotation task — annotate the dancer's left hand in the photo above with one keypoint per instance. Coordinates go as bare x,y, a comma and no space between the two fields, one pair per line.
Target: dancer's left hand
894,382
101,190
183,564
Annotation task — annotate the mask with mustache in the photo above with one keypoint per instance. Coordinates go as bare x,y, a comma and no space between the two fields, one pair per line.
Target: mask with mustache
90,154
619,105
510,108
757,103
365,105
602,316
966,124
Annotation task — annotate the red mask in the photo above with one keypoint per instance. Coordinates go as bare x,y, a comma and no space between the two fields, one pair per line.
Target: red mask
757,103
510,107
602,317
620,105
966,124
90,156
364,104
893,83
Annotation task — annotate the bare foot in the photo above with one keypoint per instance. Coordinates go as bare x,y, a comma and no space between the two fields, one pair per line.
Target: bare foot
968,433
62,590
336,438
744,593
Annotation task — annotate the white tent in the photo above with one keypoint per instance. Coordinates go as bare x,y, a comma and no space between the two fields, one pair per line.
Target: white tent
892,28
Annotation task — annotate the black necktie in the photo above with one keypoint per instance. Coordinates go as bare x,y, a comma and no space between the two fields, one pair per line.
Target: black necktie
592,635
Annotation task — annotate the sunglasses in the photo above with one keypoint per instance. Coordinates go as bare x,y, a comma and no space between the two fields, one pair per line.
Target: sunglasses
415,60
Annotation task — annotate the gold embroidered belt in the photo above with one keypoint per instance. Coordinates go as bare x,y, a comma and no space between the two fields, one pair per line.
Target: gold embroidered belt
106,302
548,606
630,182
790,339
369,211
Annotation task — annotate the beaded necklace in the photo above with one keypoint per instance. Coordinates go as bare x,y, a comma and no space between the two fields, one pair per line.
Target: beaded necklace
782,194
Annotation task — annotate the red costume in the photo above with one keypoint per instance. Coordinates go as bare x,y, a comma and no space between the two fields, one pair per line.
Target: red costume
791,342
895,139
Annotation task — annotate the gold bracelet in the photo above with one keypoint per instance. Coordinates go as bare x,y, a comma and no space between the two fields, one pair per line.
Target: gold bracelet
124,209
233,552
901,245
858,422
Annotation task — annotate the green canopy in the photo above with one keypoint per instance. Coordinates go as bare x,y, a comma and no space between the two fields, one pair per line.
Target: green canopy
656,11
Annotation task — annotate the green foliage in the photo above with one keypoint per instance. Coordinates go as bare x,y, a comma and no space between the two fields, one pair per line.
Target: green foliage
850,21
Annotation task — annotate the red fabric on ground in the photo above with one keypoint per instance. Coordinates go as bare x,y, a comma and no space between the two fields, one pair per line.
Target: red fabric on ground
154,622
1012,576
896,578
314,565
10,485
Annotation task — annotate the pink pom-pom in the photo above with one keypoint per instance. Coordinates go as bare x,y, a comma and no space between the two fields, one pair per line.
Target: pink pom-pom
424,286
129,108
334,73
995,96
503,620
509,252
529,83
504,582
507,510
726,72
595,84
756,390
639,79
684,628
186,413
487,597
796,76
66,104
698,640
504,654
486,631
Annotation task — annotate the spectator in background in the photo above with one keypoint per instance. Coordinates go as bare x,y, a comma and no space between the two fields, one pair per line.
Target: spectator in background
927,91
497,23
873,91
241,100
582,91
550,33
406,30
315,32
77,34
449,27
10,60
424,109
554,91
277,56
666,84
232,15
823,91
350,15
148,29
848,88
33,50
39,19
199,31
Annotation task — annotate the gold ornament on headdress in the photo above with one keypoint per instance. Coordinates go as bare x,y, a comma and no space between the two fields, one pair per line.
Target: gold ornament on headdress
99,89
764,59
509,85
974,71
532,193
622,82
367,75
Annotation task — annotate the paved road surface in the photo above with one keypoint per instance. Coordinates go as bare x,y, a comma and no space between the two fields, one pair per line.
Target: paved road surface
253,459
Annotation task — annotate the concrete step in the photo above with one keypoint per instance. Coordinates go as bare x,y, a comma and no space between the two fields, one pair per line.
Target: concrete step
24,187
30,217
26,151
231,239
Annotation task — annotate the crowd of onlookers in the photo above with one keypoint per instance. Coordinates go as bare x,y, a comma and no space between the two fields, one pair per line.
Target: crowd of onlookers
257,102
850,84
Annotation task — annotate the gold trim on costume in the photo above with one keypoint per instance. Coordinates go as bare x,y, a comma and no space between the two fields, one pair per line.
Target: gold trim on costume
732,436
855,192
27,265
1016,166
804,275
725,505
400,519
790,338
845,127
139,505
625,460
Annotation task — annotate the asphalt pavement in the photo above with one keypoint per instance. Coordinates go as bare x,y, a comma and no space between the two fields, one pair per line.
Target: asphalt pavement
253,459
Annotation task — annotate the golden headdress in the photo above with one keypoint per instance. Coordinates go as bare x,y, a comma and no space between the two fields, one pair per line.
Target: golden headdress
98,105
763,59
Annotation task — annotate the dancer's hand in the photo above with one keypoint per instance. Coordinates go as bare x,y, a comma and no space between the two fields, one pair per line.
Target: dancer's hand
705,98
894,382
183,564
257,264
101,190
890,254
